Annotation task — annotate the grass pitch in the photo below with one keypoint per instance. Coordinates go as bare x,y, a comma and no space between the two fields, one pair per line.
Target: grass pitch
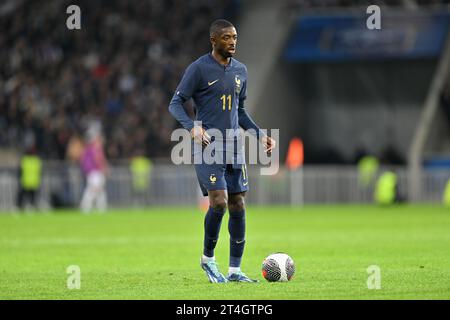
154,254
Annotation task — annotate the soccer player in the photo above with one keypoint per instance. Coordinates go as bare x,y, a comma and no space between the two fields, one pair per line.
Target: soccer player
94,166
217,83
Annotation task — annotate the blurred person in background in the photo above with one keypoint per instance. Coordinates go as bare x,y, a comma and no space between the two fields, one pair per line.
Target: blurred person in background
141,169
30,172
95,167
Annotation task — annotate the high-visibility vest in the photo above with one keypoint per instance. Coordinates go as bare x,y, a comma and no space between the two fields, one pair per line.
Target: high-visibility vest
140,169
295,154
446,195
385,190
367,168
31,172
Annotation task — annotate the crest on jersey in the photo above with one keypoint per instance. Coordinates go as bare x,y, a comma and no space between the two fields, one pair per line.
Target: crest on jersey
238,84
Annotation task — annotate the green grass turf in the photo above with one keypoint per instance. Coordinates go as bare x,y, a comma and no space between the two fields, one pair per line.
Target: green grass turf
154,254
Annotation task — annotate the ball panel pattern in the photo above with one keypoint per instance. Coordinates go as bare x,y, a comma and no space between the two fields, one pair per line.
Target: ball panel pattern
271,270
290,268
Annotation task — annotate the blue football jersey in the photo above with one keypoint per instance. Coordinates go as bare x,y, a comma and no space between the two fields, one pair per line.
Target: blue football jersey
216,90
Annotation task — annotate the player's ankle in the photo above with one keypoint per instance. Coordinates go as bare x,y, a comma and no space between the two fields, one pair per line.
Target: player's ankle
233,270
206,259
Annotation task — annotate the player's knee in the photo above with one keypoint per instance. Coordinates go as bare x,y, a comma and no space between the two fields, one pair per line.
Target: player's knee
219,204
236,204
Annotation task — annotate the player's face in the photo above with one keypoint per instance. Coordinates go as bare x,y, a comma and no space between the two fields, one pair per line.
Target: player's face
225,43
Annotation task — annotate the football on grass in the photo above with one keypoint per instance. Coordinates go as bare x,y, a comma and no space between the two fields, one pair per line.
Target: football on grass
278,267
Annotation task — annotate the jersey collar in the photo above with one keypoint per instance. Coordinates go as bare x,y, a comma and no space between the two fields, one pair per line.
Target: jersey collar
227,66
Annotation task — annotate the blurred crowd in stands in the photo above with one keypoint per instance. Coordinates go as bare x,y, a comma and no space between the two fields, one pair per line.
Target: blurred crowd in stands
121,69
305,4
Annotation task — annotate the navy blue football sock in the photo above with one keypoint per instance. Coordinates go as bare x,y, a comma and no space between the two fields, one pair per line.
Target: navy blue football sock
236,227
213,220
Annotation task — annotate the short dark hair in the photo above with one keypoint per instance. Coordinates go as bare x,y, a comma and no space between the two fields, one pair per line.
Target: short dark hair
217,26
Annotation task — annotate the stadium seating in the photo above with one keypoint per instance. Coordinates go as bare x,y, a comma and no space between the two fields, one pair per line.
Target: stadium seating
121,68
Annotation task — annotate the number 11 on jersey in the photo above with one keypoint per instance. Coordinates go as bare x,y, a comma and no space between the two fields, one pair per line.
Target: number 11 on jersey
224,99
